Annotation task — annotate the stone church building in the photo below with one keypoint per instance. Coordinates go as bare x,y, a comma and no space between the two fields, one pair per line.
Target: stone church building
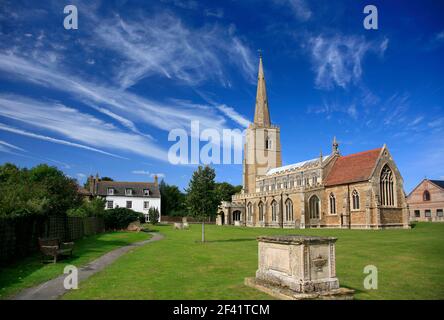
361,190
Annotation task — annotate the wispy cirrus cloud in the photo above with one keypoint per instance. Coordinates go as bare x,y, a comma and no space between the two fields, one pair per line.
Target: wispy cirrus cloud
234,115
337,60
163,46
66,121
300,8
142,172
53,140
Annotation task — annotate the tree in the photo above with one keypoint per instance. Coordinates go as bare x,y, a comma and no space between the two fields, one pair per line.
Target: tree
173,200
225,191
40,190
202,200
153,216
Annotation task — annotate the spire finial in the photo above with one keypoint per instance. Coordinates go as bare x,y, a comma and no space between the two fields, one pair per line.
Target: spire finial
260,53
335,146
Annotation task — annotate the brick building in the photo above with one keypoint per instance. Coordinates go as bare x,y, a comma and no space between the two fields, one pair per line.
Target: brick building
426,201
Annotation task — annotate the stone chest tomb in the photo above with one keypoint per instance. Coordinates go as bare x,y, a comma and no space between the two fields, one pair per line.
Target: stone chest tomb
298,267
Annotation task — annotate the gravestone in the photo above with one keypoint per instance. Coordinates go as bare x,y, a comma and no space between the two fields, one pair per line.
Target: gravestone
298,267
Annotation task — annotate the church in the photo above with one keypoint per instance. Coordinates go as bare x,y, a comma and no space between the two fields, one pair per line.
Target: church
357,191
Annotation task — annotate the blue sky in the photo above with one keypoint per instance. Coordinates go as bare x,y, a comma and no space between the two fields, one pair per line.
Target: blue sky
103,98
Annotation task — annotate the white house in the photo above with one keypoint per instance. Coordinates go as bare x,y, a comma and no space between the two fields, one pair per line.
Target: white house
138,196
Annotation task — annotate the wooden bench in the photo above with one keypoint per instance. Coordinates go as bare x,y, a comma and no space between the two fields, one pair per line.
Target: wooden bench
53,247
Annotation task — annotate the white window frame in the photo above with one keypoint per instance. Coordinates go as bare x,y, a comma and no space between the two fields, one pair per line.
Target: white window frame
110,191
130,193
146,205
108,204
146,192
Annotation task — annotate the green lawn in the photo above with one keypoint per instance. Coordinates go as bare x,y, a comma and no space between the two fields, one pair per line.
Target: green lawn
31,271
410,264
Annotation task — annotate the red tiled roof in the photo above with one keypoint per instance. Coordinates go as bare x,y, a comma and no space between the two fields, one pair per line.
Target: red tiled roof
353,168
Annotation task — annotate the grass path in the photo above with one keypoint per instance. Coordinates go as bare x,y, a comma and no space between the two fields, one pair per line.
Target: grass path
31,271
410,264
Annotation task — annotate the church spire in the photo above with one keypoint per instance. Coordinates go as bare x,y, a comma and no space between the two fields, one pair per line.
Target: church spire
261,114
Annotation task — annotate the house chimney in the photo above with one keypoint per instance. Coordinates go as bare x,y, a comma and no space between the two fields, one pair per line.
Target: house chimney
156,180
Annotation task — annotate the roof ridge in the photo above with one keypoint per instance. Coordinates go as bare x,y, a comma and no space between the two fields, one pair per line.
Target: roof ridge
361,152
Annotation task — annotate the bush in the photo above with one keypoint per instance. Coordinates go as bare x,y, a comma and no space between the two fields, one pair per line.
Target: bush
153,216
92,208
120,218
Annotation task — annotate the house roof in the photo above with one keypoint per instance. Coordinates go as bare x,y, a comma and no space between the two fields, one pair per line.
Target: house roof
82,191
439,183
296,166
119,188
353,168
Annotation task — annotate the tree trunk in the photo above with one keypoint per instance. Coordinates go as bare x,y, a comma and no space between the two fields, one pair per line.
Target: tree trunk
203,231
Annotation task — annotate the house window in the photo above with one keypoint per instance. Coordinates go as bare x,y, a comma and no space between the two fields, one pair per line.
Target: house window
299,182
110,191
110,204
386,187
332,204
355,200
146,205
428,213
261,211
307,181
274,210
439,213
314,180
426,196
128,192
314,207
146,192
417,213
289,210
129,204
291,183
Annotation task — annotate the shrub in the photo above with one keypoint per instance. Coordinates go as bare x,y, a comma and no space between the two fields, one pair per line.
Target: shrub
91,208
153,216
120,218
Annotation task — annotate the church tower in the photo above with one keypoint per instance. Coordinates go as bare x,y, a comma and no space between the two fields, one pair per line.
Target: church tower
262,150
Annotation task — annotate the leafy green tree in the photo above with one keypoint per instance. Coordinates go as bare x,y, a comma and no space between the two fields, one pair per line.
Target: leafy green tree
153,215
89,208
173,200
225,191
40,190
202,200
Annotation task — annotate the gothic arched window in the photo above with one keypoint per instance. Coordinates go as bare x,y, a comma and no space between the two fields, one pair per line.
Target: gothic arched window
386,187
332,204
261,211
250,211
355,200
289,210
426,196
314,207
274,210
